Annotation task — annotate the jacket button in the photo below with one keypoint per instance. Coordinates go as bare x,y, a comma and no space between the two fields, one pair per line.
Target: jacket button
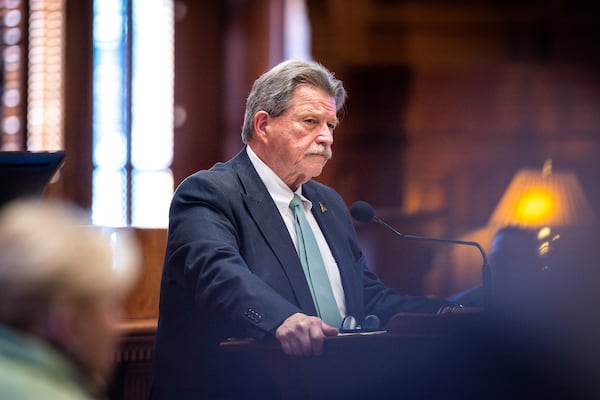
253,315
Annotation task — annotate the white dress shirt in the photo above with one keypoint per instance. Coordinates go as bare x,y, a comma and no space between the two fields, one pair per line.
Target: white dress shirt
282,196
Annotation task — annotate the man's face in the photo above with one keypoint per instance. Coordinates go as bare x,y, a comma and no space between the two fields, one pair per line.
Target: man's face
298,142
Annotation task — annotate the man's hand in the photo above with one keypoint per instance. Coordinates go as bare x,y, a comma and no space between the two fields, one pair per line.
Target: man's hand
302,335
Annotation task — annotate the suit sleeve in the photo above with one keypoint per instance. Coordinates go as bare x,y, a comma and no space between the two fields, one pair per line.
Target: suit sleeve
203,257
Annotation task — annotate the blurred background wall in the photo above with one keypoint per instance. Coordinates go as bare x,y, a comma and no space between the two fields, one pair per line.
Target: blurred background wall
448,100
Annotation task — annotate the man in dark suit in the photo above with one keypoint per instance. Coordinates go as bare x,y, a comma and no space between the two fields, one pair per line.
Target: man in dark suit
232,267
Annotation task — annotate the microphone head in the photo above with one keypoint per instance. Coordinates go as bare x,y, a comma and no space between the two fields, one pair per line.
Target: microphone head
362,211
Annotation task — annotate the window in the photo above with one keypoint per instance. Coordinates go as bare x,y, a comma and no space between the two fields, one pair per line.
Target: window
35,39
133,109
45,75
132,99
296,30
12,76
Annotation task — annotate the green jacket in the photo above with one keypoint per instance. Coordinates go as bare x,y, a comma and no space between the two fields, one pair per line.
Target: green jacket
31,369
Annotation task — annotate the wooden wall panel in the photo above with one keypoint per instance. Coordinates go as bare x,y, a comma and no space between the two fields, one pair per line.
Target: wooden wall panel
491,87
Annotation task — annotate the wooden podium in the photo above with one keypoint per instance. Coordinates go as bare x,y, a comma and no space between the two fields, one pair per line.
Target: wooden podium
466,357
416,358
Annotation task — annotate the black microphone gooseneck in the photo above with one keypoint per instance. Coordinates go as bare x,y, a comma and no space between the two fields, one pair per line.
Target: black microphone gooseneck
364,212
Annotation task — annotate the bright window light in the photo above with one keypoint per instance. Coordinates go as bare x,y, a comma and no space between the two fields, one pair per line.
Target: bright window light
297,30
133,112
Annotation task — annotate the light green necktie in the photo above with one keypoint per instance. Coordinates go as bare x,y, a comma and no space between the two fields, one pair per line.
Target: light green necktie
314,268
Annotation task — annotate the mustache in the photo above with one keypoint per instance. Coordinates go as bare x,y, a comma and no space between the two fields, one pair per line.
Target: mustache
319,150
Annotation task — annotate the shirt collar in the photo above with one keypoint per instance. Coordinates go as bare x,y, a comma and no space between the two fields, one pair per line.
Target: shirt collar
279,191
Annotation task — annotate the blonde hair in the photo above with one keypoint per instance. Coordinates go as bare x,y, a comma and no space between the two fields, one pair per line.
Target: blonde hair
49,253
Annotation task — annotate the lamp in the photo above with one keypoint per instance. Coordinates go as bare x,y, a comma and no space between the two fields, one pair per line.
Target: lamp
544,201
536,199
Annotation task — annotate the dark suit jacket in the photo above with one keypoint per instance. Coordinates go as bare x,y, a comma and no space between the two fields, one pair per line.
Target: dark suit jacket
231,270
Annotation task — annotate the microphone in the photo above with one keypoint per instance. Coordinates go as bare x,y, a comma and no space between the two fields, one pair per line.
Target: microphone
364,212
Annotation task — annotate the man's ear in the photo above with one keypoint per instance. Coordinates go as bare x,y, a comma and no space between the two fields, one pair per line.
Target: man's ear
261,120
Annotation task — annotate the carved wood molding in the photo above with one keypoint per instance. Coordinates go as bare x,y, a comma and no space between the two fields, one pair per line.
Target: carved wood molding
137,341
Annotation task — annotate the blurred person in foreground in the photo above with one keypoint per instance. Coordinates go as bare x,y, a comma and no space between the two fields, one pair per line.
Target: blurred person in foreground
61,290
232,265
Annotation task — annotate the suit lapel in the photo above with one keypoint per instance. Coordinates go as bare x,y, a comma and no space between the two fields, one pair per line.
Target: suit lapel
266,216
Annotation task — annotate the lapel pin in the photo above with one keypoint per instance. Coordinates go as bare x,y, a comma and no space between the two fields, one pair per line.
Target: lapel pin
323,208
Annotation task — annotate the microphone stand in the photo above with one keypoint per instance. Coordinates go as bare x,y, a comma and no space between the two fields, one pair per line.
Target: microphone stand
486,279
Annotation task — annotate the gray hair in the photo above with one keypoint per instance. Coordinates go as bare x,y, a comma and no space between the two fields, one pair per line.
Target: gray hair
272,91
49,255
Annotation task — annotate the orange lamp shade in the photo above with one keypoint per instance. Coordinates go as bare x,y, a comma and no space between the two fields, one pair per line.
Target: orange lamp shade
535,199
